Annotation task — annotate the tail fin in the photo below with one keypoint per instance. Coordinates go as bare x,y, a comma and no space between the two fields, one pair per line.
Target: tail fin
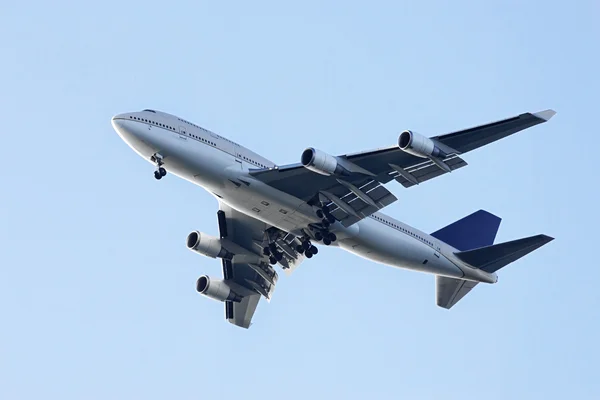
476,230
492,258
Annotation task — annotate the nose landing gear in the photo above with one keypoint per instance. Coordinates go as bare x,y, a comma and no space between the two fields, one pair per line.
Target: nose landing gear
160,171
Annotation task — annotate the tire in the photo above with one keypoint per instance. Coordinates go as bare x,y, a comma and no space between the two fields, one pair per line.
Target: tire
308,254
330,218
267,251
162,171
318,236
332,237
300,249
326,241
278,256
272,260
320,214
306,245
157,175
314,250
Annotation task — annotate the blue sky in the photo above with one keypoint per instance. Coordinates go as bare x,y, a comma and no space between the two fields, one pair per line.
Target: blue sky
97,291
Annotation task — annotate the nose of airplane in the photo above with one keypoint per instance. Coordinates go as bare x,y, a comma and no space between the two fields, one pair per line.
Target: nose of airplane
119,125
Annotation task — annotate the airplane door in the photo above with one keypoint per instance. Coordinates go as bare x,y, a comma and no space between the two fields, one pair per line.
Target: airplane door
437,251
238,155
182,133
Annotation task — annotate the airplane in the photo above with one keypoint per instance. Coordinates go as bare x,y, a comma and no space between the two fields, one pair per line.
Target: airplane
275,215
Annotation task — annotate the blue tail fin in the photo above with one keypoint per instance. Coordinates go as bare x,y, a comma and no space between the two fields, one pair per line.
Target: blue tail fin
473,231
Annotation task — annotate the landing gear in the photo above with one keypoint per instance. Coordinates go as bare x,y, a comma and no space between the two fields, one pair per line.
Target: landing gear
311,251
160,171
325,216
274,254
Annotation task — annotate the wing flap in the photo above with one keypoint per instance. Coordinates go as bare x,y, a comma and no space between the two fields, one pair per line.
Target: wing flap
426,170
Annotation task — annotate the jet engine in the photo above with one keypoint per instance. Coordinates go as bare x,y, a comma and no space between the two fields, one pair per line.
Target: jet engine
322,163
419,145
206,245
216,289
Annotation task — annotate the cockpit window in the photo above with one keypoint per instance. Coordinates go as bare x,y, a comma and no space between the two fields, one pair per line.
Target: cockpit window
152,111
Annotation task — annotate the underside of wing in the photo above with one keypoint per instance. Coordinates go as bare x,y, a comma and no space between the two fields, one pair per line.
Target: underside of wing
351,185
248,268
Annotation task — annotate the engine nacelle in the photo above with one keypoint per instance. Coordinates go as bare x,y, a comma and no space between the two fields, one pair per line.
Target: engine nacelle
206,245
322,163
216,289
419,145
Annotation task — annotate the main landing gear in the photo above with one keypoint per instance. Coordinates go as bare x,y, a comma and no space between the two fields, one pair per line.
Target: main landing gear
326,220
273,252
307,248
160,171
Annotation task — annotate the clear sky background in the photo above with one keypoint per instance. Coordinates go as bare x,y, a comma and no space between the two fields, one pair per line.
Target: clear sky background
97,289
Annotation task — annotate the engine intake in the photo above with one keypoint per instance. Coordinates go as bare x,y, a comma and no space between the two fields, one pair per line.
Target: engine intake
419,145
216,289
206,245
322,163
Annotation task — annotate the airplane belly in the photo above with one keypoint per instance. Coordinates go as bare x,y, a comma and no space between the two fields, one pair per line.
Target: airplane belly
385,245
269,205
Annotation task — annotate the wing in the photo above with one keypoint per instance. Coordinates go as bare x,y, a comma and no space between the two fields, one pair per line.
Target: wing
362,193
245,237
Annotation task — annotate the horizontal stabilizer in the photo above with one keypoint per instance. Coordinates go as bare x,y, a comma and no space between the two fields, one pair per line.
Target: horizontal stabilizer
492,258
476,230
448,291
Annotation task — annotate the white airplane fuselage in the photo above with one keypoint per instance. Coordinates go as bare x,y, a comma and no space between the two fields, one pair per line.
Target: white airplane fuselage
219,165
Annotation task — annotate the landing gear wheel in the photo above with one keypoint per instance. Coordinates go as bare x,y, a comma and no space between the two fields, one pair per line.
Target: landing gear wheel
314,250
157,175
325,223
300,249
320,214
318,236
278,256
332,237
330,218
162,171
306,245
308,254
272,260
326,241
267,251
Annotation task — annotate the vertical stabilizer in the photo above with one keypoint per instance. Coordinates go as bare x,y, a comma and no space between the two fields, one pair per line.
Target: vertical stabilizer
473,231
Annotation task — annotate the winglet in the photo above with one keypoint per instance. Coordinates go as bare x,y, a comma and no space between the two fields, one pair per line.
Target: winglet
545,115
